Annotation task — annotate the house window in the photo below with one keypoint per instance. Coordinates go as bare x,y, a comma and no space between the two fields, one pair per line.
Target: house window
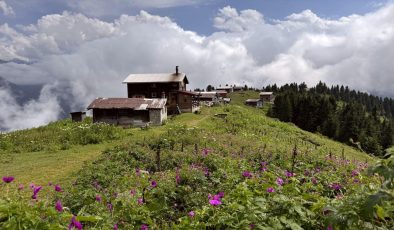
154,94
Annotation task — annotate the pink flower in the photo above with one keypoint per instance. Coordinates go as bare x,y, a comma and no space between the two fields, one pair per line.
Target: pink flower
355,173
21,187
74,224
314,181
247,174
132,192
279,181
336,186
58,188
49,183
59,206
215,202
191,214
270,190
115,227
205,151
36,189
98,198
330,227
140,201
8,179
137,171
289,174
144,227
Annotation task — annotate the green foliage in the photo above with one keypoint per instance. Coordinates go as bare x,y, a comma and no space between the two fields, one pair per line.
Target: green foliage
166,178
59,135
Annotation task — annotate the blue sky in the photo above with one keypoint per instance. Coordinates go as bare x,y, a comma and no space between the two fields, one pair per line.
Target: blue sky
82,49
196,17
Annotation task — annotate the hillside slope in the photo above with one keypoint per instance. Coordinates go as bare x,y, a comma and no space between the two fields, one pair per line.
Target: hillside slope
230,167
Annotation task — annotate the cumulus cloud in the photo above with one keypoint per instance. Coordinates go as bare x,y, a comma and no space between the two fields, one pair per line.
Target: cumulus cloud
79,58
6,9
229,19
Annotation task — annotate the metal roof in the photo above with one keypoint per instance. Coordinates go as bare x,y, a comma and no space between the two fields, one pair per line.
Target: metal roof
128,103
266,93
252,100
156,78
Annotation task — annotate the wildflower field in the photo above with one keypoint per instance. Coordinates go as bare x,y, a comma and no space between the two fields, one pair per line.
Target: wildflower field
229,167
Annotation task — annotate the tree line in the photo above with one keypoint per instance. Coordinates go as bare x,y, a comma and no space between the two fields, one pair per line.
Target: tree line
349,116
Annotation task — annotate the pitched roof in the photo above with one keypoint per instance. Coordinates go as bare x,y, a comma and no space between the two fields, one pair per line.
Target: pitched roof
156,78
127,103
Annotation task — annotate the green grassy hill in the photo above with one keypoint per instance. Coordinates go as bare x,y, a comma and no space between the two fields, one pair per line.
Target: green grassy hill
273,175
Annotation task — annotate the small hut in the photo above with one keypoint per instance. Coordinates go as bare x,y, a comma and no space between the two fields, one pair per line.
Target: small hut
78,116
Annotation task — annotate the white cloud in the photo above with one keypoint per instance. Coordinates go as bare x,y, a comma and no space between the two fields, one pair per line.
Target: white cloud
80,58
6,9
229,19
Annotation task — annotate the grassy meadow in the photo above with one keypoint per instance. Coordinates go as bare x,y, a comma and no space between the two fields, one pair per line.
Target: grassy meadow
228,167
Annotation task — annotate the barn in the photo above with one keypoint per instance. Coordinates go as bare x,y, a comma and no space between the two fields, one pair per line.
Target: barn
129,111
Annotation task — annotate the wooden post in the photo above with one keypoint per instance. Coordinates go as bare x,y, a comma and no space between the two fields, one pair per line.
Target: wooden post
294,158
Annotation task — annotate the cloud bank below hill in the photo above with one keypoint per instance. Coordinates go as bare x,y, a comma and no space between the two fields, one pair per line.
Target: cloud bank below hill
79,58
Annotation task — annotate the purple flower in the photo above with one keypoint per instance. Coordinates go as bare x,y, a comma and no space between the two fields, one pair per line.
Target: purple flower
144,227
279,181
263,163
314,181
247,174
355,173
215,202
74,224
263,169
140,201
153,184
270,190
58,188
137,171
206,171
191,214
251,226
336,186
115,227
205,151
49,183
221,194
32,185
8,179
306,173
330,227
36,189
110,207
21,187
289,174
132,192
59,206
98,198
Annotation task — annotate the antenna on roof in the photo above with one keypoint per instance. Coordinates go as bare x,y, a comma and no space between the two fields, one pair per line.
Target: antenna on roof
176,70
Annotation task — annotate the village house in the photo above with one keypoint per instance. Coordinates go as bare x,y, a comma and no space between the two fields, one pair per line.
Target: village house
238,88
254,102
207,97
129,111
267,97
228,89
171,86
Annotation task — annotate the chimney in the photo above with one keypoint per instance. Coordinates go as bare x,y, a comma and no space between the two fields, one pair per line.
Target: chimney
176,70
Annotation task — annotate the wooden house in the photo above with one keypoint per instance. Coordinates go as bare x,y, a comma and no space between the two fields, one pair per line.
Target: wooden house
267,97
171,86
254,102
129,111
228,89
207,96
78,116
